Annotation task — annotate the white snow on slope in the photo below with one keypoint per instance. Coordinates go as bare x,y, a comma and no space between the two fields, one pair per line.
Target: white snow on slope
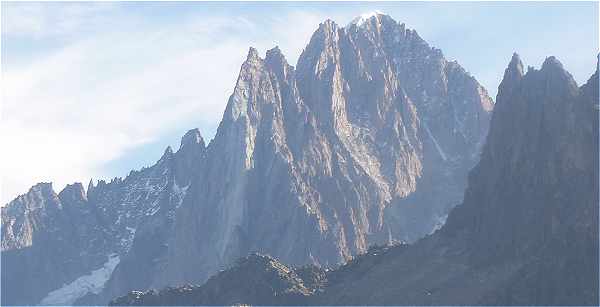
93,282
360,20
441,220
435,142
179,192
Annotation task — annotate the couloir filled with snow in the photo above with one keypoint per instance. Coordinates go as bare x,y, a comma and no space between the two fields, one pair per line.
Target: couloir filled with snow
91,283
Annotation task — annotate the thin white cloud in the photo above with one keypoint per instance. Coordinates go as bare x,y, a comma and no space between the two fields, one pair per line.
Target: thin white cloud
67,113
39,20
105,81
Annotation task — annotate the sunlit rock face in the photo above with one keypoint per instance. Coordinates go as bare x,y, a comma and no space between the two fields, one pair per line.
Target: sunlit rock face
368,140
526,233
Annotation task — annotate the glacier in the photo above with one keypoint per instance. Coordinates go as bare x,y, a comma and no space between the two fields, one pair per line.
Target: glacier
93,282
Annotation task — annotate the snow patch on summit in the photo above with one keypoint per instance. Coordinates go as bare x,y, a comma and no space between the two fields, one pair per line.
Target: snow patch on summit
360,20
93,282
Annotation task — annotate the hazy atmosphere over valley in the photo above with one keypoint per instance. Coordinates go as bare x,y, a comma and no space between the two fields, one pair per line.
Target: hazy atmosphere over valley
299,153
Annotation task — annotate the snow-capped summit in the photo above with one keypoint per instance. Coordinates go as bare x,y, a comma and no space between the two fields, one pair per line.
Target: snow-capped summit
360,20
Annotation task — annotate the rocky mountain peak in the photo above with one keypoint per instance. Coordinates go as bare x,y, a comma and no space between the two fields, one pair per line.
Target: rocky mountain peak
370,138
167,154
512,76
41,193
39,196
561,85
41,187
556,75
515,67
527,230
537,139
192,138
525,234
327,26
73,193
277,63
274,53
252,56
368,18
325,36
552,62
90,186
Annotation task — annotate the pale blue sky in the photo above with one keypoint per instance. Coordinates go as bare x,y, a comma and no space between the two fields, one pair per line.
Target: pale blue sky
96,89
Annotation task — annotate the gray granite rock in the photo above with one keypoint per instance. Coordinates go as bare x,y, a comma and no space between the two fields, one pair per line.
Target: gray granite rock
368,140
525,234
527,231
371,137
49,240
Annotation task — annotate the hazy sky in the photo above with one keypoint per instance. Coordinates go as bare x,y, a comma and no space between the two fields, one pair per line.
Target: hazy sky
92,90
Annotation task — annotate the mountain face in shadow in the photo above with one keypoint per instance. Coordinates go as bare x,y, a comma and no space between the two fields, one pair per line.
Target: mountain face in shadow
525,234
527,231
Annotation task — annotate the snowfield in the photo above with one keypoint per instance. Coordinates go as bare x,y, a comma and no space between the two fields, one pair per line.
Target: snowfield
93,282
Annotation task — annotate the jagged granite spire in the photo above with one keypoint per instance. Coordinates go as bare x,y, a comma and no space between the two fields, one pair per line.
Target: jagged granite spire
529,218
372,135
191,138
526,233
277,63
513,73
252,55
73,193
298,168
19,216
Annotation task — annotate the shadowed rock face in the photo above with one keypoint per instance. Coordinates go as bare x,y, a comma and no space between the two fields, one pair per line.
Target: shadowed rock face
533,198
368,140
527,230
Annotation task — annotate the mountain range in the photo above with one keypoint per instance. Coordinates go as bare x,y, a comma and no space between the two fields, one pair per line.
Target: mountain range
370,140
526,232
